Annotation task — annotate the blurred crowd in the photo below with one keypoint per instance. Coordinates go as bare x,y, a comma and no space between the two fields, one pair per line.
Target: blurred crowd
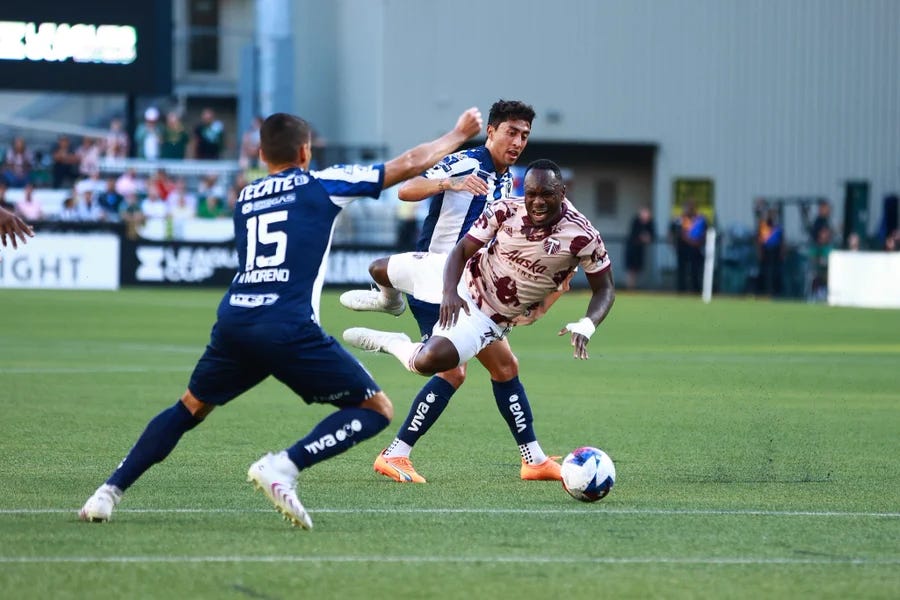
73,167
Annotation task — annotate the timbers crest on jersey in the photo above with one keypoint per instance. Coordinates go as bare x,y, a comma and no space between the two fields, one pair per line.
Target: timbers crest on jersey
551,245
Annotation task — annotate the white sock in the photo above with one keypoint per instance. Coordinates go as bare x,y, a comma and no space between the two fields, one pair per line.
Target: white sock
532,453
392,296
403,350
397,448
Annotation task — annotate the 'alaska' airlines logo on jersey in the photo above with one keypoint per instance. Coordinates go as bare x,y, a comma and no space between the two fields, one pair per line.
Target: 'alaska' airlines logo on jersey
516,257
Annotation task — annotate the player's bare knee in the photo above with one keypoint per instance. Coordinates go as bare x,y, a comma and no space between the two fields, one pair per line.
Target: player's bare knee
437,356
197,408
505,370
455,377
378,271
381,404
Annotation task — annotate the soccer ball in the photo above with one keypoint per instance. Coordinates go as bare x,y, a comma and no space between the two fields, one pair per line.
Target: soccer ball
588,474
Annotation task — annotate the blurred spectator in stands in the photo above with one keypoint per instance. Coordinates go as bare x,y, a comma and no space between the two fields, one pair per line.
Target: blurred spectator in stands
18,163
822,221
234,190
892,241
156,211
131,214
4,201
181,210
88,157
161,183
89,209
148,135
853,242
211,207
209,136
29,208
115,144
69,211
181,191
129,183
689,231
249,155
818,264
770,252
211,185
92,183
640,237
65,163
175,137
110,200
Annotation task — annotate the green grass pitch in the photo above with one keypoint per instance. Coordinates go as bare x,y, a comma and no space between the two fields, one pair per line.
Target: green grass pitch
756,445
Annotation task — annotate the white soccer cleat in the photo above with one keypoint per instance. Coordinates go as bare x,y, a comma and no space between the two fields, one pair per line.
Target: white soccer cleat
372,340
276,476
372,300
99,507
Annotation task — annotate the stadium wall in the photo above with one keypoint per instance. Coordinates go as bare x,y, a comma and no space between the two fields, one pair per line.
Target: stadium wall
767,98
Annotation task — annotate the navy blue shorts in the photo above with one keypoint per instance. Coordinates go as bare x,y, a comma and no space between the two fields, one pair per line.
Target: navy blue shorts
426,314
302,356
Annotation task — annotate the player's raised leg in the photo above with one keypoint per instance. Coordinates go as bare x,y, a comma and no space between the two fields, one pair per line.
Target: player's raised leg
386,298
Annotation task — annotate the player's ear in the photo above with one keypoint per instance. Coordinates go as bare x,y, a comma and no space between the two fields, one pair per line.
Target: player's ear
304,156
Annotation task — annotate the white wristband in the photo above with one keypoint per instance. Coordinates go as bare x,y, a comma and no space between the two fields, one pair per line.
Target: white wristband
584,327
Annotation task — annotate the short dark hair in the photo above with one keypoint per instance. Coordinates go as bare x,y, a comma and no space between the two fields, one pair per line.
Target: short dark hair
510,110
544,164
281,137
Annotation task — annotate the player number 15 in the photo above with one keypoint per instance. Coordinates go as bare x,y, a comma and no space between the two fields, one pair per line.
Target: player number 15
258,232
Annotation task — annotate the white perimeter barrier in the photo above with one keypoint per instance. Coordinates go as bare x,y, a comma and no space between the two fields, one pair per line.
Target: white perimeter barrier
864,279
62,261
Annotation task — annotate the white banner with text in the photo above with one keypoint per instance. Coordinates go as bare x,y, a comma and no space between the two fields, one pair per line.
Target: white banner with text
62,261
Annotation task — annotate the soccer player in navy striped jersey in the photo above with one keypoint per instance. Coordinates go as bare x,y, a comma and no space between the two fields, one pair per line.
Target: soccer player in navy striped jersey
460,186
268,321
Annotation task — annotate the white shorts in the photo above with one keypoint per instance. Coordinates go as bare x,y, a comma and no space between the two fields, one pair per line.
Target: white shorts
421,274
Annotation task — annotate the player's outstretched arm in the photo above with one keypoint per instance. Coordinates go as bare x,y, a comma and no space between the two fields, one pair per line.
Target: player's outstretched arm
602,298
419,188
14,228
451,303
414,161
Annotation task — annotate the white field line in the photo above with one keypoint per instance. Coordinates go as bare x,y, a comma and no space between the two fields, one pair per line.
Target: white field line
380,559
451,511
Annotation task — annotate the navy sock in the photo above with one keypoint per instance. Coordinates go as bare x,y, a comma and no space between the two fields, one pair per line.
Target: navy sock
155,444
336,433
427,406
513,405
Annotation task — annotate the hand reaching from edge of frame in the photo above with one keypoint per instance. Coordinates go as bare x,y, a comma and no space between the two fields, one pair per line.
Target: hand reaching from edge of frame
14,229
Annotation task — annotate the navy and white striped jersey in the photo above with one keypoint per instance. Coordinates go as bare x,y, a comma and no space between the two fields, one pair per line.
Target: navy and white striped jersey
283,225
451,213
